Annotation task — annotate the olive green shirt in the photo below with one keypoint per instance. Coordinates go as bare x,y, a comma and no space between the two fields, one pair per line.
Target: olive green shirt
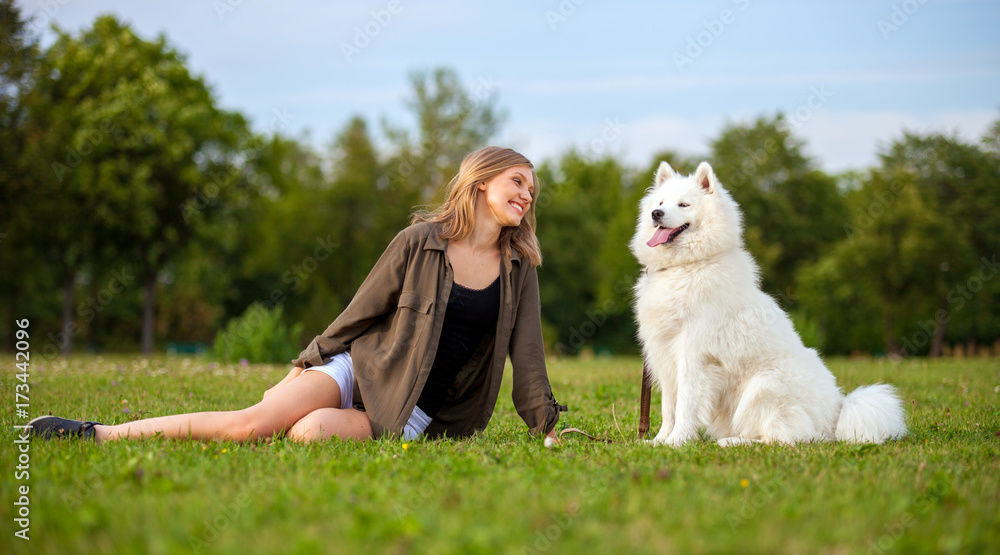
392,327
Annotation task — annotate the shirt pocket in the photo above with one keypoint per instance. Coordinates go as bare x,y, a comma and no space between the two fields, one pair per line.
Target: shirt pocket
415,301
413,316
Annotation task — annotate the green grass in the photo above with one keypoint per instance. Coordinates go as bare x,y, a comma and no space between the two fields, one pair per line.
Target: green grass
935,491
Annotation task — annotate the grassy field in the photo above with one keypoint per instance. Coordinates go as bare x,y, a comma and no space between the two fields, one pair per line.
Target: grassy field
938,490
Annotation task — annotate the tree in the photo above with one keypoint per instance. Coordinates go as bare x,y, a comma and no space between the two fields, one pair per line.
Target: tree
959,184
22,229
616,268
372,208
350,204
18,59
451,122
844,303
792,210
310,243
277,229
991,139
899,247
578,203
140,144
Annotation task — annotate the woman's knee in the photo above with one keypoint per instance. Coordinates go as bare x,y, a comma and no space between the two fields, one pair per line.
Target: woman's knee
317,425
301,430
325,423
250,424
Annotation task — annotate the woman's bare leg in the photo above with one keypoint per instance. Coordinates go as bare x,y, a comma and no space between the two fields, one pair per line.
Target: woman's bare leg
278,412
322,424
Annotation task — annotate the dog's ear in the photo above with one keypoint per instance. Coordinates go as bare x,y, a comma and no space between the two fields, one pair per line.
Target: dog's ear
705,177
663,173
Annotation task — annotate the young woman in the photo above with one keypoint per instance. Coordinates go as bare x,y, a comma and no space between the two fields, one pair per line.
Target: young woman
422,346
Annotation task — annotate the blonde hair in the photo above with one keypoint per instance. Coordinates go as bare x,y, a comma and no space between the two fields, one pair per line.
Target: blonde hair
458,212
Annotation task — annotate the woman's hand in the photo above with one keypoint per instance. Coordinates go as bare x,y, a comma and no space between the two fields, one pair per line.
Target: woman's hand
291,376
551,439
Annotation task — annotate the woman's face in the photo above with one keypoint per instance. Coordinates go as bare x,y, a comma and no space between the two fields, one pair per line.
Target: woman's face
508,195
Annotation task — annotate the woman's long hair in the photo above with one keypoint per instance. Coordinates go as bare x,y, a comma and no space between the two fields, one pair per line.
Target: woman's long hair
457,214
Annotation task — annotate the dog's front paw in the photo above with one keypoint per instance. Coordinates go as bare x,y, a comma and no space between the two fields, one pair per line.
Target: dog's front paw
730,441
673,440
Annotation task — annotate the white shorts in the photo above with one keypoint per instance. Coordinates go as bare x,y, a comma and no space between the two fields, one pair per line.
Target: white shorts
341,369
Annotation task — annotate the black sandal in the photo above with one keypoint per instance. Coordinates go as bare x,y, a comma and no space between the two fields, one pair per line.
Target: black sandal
48,427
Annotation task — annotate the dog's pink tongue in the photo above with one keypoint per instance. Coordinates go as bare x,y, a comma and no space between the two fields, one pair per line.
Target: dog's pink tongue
662,235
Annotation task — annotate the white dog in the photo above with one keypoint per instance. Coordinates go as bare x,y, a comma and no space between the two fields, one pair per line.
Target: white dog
726,357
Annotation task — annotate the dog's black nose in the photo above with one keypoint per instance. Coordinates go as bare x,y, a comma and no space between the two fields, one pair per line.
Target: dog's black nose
657,214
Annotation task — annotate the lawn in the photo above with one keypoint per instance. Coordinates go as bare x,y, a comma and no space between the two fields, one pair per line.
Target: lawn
938,490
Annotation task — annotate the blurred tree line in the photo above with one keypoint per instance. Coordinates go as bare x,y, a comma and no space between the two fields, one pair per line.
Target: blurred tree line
134,211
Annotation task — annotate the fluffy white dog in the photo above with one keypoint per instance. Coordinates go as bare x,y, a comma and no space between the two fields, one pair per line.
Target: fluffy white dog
726,357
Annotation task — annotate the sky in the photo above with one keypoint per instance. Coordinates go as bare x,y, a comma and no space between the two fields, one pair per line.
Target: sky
626,79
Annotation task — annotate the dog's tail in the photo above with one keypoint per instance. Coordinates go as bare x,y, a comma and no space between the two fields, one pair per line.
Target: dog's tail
871,414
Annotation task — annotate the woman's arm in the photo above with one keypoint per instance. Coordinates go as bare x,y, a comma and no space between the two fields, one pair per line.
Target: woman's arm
532,393
376,297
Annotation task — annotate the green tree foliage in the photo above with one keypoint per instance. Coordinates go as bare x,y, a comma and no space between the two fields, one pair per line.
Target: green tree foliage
285,246
586,276
960,184
18,59
373,208
451,121
311,244
917,254
878,277
792,210
138,145
991,140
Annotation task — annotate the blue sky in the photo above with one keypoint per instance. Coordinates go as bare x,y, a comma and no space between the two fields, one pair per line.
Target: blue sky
626,78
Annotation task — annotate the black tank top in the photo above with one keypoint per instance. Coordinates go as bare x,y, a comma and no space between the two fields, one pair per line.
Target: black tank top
471,313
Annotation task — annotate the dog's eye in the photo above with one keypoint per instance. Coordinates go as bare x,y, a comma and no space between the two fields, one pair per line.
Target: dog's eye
683,205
